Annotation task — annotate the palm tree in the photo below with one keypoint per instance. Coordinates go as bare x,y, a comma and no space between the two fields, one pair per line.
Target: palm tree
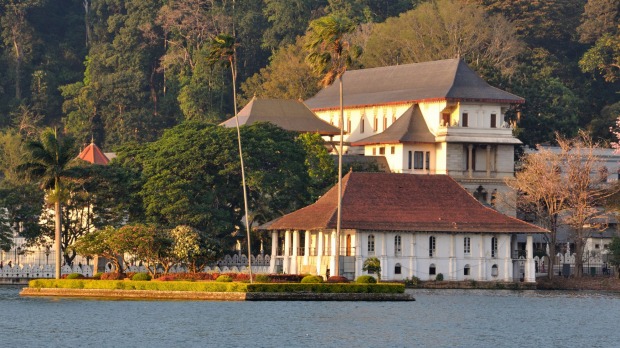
223,49
48,161
329,55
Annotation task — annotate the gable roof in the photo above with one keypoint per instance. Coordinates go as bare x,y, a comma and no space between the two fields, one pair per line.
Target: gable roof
93,154
408,128
288,114
402,202
449,79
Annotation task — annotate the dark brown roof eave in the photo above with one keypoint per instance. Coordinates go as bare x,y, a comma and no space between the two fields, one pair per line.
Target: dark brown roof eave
414,101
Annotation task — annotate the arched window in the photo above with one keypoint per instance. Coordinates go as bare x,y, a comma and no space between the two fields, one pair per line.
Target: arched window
466,270
348,249
371,244
431,246
494,247
431,269
494,270
397,269
397,246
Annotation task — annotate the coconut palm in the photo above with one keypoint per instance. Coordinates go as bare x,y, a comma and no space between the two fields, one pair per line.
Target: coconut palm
223,49
329,55
48,161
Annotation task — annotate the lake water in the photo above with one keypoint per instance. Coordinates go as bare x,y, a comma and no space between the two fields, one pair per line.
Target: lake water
438,318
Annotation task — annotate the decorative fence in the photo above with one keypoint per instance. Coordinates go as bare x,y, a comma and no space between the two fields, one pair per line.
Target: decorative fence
228,264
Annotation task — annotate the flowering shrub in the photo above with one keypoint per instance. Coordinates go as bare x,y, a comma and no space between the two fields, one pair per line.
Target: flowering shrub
337,279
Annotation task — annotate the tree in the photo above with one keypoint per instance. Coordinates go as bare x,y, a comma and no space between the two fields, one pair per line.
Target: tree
330,54
98,243
49,161
287,76
223,48
320,164
541,194
372,265
614,254
566,187
445,29
191,247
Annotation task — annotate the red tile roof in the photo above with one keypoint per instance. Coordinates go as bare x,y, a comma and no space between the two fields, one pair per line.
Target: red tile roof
402,202
93,154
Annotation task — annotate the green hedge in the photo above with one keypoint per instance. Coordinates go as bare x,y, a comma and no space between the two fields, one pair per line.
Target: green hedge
387,288
383,288
137,285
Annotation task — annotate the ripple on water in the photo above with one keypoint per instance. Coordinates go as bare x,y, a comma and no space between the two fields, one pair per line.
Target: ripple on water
438,318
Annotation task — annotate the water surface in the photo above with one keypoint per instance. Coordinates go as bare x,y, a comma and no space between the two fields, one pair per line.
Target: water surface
439,318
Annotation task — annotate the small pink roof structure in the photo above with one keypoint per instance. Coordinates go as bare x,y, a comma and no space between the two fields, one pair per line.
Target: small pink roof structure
93,154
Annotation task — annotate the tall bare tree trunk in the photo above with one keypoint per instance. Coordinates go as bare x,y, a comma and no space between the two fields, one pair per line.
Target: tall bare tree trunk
57,247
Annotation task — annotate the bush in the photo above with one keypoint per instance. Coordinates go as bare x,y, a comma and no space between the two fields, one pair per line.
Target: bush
384,288
124,285
285,278
186,277
262,278
130,275
97,275
312,279
224,279
439,277
75,276
413,282
141,276
337,279
366,279
112,276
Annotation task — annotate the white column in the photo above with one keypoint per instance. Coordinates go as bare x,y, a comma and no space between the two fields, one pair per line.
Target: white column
332,253
488,161
482,266
287,252
507,258
295,252
412,257
530,271
452,270
384,259
307,248
359,252
470,161
274,251
319,252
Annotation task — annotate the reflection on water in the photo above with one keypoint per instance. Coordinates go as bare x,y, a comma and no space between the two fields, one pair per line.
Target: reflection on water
439,318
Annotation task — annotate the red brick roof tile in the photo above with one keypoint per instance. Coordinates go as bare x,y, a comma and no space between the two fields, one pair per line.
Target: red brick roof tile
402,202
93,154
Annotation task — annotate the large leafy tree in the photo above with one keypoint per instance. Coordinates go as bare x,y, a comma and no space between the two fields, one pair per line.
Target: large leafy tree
329,55
49,162
274,80
445,29
600,27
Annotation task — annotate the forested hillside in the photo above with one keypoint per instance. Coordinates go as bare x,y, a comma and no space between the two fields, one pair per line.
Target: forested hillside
121,71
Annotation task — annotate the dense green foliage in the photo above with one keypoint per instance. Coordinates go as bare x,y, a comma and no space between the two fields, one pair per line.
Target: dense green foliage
141,277
312,279
217,286
122,71
366,279
138,285
385,288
